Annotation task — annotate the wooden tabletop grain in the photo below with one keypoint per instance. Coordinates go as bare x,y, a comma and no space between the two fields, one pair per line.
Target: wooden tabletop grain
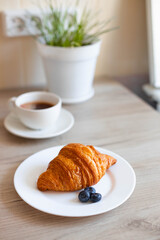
114,119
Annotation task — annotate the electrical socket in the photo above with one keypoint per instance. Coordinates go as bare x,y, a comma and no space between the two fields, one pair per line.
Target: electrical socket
15,23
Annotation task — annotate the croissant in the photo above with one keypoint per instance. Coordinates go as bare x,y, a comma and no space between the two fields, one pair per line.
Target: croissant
76,167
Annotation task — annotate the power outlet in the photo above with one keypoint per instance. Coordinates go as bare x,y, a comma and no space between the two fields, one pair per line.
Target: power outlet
17,23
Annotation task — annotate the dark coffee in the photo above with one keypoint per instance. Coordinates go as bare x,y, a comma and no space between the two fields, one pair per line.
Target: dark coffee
36,105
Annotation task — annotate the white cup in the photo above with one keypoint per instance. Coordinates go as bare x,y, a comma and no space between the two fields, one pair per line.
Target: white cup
38,118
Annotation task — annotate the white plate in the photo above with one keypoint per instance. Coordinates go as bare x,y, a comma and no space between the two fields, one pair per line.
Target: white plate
116,187
64,124
78,100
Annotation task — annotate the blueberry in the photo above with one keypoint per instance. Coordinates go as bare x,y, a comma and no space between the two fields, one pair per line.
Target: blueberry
90,189
84,196
95,197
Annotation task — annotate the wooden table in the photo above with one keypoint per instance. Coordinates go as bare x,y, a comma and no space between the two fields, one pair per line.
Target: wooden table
114,119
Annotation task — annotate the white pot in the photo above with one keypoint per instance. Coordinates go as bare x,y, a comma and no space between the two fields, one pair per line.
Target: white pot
70,71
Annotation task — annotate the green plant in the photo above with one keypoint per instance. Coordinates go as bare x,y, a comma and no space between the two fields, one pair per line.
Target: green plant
64,27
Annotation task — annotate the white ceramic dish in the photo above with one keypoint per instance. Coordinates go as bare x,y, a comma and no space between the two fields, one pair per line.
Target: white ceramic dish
78,100
116,187
63,124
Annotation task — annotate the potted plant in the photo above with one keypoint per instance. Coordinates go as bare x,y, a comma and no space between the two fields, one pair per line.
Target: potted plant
69,44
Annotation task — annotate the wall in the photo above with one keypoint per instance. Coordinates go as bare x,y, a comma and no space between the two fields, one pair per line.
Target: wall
123,53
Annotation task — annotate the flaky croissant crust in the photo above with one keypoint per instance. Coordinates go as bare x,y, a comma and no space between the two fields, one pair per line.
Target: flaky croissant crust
77,166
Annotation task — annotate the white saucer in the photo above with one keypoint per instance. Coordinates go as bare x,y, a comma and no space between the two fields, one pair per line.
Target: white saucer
78,100
116,186
64,123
